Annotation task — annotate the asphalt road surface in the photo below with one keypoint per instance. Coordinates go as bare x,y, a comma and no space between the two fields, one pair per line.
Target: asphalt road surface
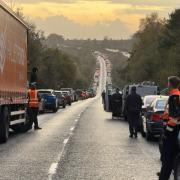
77,143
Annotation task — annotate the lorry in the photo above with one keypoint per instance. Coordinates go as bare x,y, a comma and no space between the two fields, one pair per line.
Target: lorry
13,73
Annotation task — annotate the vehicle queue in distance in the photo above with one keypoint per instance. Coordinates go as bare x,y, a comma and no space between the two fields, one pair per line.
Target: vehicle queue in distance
52,100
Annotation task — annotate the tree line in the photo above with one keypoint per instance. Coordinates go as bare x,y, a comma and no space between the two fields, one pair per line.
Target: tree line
64,62
155,54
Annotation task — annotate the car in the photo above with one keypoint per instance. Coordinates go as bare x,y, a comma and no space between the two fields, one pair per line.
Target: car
71,93
42,106
50,101
79,94
67,96
61,98
147,100
154,117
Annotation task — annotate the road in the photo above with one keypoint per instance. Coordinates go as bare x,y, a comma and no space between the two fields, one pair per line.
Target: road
80,142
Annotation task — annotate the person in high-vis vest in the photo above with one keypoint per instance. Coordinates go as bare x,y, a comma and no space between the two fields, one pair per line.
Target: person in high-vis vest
170,145
33,105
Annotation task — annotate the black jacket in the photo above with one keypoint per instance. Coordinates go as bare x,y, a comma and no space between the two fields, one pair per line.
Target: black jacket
174,106
134,103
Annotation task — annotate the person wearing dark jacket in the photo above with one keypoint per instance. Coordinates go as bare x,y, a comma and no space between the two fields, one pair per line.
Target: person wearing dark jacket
33,77
103,98
170,145
116,101
133,107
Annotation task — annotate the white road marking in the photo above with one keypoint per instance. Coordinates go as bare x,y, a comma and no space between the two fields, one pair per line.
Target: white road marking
53,168
72,128
66,141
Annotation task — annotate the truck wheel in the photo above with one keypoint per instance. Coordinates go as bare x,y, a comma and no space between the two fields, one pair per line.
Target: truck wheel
4,125
23,127
177,168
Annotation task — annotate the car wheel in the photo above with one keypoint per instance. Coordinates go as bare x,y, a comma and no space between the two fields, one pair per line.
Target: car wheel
177,168
4,125
149,136
55,109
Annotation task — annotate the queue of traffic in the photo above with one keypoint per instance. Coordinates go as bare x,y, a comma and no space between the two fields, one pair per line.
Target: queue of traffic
52,100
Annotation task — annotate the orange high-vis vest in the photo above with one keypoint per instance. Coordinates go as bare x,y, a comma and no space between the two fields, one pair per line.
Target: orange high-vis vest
33,99
173,122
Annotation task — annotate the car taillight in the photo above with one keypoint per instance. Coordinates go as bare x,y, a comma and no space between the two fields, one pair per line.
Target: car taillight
156,117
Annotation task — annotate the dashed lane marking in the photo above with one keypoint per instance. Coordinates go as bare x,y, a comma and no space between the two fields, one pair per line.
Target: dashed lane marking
72,128
53,168
66,141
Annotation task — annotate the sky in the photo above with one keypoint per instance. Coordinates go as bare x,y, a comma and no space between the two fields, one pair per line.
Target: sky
83,19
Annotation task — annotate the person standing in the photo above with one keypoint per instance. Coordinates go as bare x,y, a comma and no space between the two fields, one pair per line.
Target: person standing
103,96
170,145
33,105
116,105
34,76
133,107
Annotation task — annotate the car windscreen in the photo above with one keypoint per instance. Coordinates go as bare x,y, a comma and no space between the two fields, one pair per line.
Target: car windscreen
41,93
57,93
65,93
149,100
160,104
66,89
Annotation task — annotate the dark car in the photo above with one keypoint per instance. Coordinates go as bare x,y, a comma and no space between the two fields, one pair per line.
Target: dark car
50,101
67,96
61,99
154,117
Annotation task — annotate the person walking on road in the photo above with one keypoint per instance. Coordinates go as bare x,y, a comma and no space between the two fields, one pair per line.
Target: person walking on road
116,105
170,145
133,107
103,98
33,105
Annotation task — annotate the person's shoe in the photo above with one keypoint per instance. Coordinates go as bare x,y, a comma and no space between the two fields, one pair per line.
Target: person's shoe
135,135
131,136
158,174
37,128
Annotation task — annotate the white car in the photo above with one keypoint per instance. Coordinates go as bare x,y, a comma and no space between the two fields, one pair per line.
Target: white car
147,100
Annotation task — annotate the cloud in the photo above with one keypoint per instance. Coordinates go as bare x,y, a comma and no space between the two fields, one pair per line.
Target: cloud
91,15
132,2
69,29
